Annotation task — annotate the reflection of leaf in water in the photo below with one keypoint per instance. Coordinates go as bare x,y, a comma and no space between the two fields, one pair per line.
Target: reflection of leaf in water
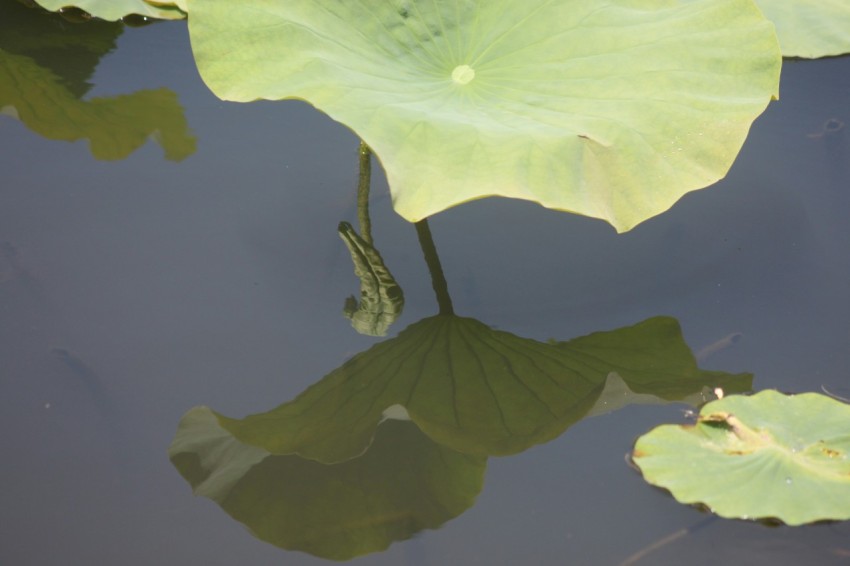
653,359
114,126
405,483
351,473
71,52
477,390
617,394
381,298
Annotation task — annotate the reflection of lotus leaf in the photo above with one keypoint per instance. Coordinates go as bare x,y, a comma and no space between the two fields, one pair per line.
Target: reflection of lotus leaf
471,390
114,126
766,456
403,484
44,70
117,9
70,52
607,108
477,390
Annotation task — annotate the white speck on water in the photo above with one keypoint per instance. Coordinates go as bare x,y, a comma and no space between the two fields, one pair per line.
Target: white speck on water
789,481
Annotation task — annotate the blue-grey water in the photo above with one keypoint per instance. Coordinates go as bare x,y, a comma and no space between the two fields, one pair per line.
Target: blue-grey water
132,290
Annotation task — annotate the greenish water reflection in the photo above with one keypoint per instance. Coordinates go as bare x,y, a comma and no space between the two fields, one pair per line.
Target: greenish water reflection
396,440
299,474
189,277
334,473
38,88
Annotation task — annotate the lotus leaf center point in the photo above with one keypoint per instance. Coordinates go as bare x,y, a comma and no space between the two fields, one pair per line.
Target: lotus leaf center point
463,74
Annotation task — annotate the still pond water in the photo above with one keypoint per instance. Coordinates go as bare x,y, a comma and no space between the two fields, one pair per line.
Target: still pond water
134,289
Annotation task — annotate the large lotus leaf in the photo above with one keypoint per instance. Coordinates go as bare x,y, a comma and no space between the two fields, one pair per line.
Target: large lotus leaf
116,9
607,108
403,484
766,456
182,5
477,390
810,28
115,127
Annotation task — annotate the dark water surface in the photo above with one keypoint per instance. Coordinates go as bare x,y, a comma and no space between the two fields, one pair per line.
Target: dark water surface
132,290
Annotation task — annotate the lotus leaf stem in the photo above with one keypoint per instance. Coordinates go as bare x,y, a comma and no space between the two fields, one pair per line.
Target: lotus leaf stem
363,183
438,280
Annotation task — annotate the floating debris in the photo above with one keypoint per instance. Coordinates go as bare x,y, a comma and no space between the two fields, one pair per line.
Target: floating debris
829,128
718,346
10,263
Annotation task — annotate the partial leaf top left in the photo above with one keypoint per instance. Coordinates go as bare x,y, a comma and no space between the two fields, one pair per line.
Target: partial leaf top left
117,9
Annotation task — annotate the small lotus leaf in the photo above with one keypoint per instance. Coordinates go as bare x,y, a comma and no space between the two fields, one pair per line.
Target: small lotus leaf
766,456
612,109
